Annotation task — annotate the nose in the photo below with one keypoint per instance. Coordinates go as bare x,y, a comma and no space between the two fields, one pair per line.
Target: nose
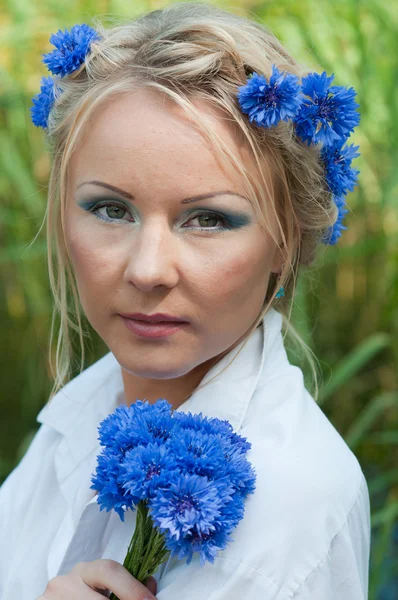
153,257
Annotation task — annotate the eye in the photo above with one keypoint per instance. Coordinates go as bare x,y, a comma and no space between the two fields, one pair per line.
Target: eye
207,219
113,211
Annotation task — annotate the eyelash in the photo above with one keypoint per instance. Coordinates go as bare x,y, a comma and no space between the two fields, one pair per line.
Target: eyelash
225,223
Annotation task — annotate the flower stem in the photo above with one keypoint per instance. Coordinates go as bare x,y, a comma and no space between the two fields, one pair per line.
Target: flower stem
147,548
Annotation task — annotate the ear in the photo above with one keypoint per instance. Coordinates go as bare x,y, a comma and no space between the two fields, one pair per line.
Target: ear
278,260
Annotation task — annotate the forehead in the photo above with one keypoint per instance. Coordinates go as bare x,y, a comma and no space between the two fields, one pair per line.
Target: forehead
145,133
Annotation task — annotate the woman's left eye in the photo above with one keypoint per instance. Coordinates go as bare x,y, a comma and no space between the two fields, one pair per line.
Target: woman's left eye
206,220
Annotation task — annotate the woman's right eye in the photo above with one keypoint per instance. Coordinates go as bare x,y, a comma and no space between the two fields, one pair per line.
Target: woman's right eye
111,207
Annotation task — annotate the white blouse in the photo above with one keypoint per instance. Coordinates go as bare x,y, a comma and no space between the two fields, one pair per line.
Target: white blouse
305,534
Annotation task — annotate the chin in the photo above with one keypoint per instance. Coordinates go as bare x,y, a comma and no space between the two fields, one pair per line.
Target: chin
151,372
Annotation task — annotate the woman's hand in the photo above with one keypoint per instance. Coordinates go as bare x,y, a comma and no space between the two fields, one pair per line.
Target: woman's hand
96,579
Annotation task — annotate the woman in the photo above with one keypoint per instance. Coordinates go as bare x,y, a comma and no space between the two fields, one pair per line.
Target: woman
180,213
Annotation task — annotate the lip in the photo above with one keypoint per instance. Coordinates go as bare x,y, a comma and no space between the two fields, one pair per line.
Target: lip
153,330
163,317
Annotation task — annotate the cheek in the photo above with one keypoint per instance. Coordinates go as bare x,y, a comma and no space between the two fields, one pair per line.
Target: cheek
95,267
235,275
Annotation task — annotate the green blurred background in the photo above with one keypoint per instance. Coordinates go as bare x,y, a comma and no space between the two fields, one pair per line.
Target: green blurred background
346,307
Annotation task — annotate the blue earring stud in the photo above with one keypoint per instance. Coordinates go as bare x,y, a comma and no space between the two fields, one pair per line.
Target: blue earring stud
281,291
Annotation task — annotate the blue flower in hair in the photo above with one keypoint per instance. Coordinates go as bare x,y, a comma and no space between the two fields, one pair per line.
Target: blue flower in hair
340,176
267,103
334,232
328,114
71,49
43,102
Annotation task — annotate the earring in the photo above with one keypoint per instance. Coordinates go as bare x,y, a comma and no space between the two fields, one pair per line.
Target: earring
281,291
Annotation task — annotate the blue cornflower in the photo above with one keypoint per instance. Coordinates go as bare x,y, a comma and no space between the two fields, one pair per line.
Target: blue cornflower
109,484
146,468
198,452
215,456
187,533
238,470
240,442
340,176
139,423
129,427
71,49
207,544
232,512
267,103
146,428
43,102
198,422
119,420
335,231
328,114
213,425
191,503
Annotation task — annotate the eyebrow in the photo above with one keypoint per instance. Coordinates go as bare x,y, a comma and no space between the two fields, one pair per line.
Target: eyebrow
129,196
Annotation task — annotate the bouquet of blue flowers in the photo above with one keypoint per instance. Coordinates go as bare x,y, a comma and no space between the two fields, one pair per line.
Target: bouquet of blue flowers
186,475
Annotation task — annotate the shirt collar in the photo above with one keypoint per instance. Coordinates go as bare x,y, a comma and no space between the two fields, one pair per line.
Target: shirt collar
229,395
77,409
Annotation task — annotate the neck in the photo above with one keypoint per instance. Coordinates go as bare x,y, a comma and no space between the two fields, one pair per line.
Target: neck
176,391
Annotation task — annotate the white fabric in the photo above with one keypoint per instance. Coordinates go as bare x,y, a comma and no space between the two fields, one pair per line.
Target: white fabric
305,534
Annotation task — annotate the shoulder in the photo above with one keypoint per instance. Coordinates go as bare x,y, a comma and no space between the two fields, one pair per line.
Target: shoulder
90,378
293,439
18,489
54,419
309,485
61,410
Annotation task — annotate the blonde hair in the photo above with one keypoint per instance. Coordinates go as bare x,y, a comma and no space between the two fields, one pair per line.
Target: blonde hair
190,50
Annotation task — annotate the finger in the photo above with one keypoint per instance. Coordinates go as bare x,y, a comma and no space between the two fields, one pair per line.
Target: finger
64,587
111,575
151,584
103,592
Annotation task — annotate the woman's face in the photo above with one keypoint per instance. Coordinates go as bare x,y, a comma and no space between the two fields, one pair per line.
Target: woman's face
137,246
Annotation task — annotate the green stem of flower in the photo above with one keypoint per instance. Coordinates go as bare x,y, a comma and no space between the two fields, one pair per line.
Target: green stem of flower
146,550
